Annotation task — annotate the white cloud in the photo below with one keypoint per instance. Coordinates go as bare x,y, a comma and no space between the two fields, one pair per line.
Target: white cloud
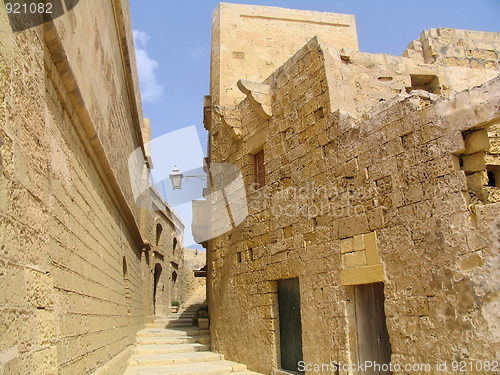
151,89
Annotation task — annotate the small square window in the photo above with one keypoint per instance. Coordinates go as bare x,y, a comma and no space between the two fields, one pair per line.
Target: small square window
425,82
259,171
493,175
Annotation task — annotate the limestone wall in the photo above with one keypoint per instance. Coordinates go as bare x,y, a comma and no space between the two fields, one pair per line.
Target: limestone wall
358,79
454,47
382,197
72,266
163,255
248,42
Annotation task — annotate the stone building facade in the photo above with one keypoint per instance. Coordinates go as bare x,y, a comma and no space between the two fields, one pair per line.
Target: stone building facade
82,265
372,184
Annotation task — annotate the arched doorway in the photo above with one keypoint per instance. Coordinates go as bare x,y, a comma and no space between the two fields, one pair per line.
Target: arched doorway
174,289
157,274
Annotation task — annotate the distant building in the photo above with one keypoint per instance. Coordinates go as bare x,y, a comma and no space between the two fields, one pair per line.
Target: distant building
373,228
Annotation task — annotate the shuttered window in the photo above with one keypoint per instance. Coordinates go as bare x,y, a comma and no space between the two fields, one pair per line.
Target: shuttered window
259,172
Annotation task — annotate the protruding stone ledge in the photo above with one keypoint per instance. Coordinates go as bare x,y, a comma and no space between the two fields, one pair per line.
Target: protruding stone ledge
231,118
259,95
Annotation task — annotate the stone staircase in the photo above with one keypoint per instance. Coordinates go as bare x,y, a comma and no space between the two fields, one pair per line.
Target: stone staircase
171,345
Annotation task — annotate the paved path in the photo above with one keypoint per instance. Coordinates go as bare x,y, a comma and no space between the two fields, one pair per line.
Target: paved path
172,346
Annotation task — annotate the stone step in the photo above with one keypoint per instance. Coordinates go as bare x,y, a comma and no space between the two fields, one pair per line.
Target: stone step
204,339
163,324
156,359
171,348
179,325
172,326
201,368
173,332
174,322
171,318
174,319
166,321
170,345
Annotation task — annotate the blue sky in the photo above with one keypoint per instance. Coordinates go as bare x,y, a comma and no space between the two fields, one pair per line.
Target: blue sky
173,51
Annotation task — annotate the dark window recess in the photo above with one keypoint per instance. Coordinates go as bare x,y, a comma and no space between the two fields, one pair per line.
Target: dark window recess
159,230
491,179
493,175
259,171
429,83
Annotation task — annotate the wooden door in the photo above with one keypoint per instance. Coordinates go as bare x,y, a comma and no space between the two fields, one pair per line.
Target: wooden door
290,324
373,339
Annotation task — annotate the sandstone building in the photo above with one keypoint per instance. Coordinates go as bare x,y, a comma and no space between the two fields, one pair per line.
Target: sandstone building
373,228
83,266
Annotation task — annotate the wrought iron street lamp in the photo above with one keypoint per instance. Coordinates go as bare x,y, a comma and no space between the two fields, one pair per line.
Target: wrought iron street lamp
176,177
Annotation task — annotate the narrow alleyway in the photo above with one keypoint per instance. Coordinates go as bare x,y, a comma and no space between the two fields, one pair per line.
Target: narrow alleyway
172,345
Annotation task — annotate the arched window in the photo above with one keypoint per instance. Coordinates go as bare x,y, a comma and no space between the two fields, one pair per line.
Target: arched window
174,245
159,229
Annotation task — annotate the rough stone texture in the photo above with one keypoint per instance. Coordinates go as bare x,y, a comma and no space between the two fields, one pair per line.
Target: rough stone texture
164,258
360,176
248,42
74,245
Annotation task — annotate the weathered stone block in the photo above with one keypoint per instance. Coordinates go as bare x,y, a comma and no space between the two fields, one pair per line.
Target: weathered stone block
476,141
46,327
358,243
472,261
346,245
474,162
370,243
375,218
355,259
362,275
353,225
476,181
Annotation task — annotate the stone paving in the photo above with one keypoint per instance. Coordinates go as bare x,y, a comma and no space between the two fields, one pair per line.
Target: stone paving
172,345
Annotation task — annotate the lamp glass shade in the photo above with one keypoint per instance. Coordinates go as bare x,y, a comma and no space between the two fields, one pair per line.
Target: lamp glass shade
176,178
